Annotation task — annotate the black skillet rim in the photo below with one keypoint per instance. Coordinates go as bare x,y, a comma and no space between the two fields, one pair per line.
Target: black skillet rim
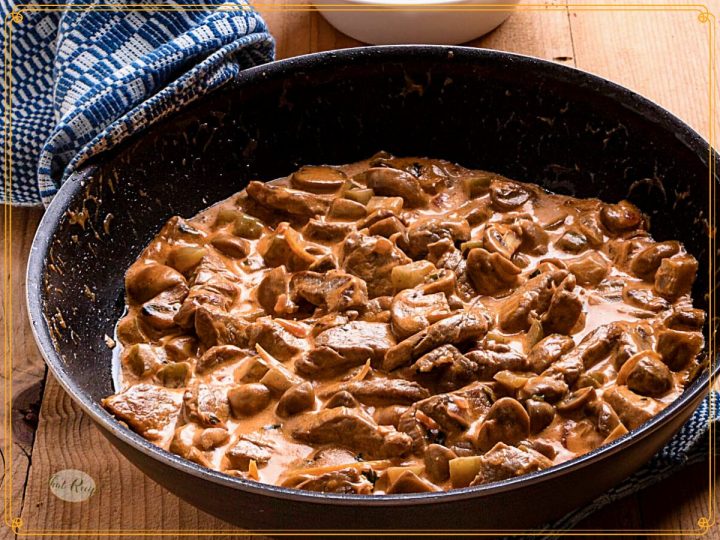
56,209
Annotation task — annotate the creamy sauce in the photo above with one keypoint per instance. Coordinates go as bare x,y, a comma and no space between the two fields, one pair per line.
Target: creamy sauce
242,296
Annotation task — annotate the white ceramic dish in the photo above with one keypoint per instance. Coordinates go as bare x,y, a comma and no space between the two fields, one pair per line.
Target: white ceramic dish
390,22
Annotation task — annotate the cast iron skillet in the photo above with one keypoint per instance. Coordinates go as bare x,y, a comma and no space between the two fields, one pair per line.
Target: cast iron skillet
528,119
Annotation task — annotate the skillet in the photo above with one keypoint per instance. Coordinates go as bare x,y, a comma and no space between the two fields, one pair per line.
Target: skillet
527,119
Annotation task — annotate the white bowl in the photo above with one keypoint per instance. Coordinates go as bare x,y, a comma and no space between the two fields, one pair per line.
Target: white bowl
391,22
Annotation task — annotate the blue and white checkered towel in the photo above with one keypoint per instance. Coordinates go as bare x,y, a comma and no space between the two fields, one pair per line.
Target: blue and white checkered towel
84,79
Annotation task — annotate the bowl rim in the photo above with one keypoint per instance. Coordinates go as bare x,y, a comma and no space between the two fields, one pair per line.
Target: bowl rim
75,182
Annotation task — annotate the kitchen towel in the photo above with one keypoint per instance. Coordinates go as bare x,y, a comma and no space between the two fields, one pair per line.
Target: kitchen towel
88,75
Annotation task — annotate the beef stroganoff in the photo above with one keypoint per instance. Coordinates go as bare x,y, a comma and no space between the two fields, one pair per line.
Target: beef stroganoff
402,325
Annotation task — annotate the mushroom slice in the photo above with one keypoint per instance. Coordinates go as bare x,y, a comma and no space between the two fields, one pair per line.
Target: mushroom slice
506,421
501,239
146,281
506,195
394,183
621,217
491,273
318,179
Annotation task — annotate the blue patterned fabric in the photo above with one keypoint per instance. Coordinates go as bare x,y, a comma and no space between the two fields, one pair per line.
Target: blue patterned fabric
85,79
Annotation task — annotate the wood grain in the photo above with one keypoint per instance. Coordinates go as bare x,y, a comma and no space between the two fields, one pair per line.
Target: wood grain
663,56
28,370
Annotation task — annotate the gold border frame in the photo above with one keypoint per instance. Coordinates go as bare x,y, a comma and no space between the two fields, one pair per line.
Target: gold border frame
704,16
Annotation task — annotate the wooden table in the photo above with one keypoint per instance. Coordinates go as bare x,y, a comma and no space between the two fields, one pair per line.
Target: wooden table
659,53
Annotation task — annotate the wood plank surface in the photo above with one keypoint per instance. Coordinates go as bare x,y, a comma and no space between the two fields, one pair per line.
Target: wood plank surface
29,369
662,55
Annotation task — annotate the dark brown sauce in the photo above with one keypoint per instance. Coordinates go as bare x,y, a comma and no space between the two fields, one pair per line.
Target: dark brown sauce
402,324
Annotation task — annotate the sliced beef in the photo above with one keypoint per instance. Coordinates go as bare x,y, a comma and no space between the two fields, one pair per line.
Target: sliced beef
429,231
334,291
323,362
445,416
436,359
534,237
387,227
372,258
565,309
299,203
379,392
358,341
215,326
492,357
642,297
350,428
685,318
210,287
413,311
206,404
377,310
534,297
675,276
645,374
548,350
633,409
459,328
503,462
275,339
250,447
595,347
678,348
589,269
146,408
327,232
